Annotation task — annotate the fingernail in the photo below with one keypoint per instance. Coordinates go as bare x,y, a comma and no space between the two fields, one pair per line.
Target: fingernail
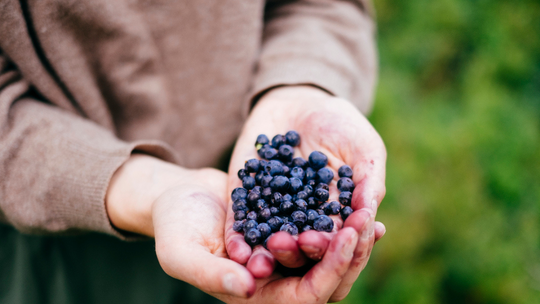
348,248
232,285
367,232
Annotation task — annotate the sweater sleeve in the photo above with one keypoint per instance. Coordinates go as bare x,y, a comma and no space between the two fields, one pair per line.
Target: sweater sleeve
55,166
326,43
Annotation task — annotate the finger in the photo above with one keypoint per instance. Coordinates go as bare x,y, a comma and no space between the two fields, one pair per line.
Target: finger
361,253
200,268
321,281
285,249
262,263
237,248
314,243
380,230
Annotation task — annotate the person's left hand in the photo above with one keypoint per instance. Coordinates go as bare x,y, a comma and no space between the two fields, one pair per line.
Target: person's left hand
336,128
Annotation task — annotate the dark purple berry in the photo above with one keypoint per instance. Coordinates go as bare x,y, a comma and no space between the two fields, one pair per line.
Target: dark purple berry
320,211
287,207
317,160
277,198
290,228
262,164
311,183
264,215
239,215
239,204
261,204
253,197
252,165
242,173
287,197
345,184
345,212
250,224
259,176
275,223
248,182
280,183
274,167
345,198
251,216
261,151
325,175
345,171
261,141
239,193
334,207
321,195
323,223
286,153
270,153
301,205
266,179
265,230
308,189
292,138
322,186
299,218
278,141
298,172
311,216
302,195
286,170
295,185
312,203
325,207
257,189
307,228
265,243
266,194
253,237
238,226
299,162
274,211
311,174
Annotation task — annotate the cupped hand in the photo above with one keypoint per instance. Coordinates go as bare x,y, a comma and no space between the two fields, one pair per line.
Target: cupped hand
336,128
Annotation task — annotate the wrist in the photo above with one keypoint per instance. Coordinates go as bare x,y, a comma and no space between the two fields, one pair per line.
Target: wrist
134,188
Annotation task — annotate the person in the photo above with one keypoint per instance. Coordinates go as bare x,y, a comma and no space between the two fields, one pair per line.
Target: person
114,116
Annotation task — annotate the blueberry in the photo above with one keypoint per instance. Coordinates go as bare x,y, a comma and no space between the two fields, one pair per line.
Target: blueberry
323,223
322,186
345,212
240,204
261,151
298,172
345,184
286,153
311,183
250,224
265,180
262,164
239,215
307,228
285,219
280,183
287,207
242,173
265,243
238,226
320,211
261,141
317,160
292,138
290,228
321,195
325,207
251,216
334,207
265,230
308,190
299,162
266,194
274,167
264,215
277,198
345,198
325,175
299,218
310,174
295,185
248,182
270,153
253,237
259,176
275,223
253,197
345,171
252,165
312,203
302,195
287,197
311,216
274,211
257,189
239,193
261,204
286,170
301,205
278,141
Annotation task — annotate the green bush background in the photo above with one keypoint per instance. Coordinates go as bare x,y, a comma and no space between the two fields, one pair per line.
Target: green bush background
458,106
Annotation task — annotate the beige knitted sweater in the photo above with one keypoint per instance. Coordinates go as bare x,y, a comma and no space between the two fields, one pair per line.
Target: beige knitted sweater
84,83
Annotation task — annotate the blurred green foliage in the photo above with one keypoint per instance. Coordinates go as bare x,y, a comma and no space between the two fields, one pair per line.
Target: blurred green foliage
458,106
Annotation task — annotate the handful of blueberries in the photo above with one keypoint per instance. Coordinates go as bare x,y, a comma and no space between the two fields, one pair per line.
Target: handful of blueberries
282,193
